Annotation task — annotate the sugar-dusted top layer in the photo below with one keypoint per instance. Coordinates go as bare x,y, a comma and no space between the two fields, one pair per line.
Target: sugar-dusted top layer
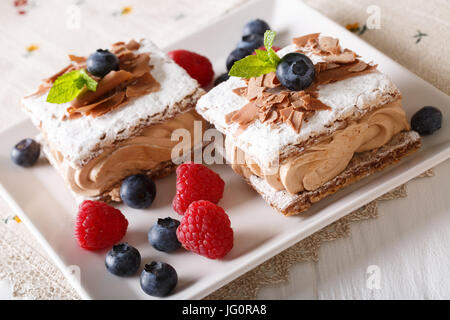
81,139
264,143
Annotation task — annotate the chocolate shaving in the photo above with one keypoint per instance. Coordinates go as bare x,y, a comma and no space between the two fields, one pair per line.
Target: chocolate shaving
316,104
145,84
272,117
229,116
118,47
342,58
286,113
284,103
342,73
302,41
321,66
295,120
77,59
133,45
274,107
132,80
254,91
140,65
242,91
112,80
271,81
87,108
330,45
246,114
331,65
112,103
327,47
358,67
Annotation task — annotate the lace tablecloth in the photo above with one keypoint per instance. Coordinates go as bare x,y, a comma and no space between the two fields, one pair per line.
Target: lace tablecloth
36,35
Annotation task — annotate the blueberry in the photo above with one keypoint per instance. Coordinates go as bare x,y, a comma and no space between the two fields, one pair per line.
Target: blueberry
26,153
163,235
123,260
101,62
223,77
256,26
138,191
427,120
158,279
251,42
237,54
295,71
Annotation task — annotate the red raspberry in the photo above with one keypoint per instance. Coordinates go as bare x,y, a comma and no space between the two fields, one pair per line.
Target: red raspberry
275,48
99,225
196,182
205,229
198,66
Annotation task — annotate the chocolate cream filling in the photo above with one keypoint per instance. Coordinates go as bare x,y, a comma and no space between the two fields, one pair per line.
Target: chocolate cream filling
135,155
325,160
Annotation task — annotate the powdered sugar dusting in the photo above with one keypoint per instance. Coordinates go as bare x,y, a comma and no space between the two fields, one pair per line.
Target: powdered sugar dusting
84,138
264,144
280,199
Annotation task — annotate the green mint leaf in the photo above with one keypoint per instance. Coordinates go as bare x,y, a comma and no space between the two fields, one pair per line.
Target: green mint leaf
251,66
262,55
91,84
274,58
262,62
65,88
68,86
269,37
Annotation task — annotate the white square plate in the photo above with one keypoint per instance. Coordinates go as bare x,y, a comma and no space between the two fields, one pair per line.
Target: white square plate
42,200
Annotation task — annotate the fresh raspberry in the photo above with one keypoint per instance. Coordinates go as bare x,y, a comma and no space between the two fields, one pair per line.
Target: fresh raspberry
196,182
198,66
205,229
99,225
275,48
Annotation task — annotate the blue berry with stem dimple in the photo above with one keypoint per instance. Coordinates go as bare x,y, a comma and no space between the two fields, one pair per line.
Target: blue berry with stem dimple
138,191
251,42
158,279
427,120
236,55
101,62
26,153
163,235
123,260
256,26
295,71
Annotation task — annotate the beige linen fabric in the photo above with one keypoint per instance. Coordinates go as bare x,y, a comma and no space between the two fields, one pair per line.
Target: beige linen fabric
35,35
